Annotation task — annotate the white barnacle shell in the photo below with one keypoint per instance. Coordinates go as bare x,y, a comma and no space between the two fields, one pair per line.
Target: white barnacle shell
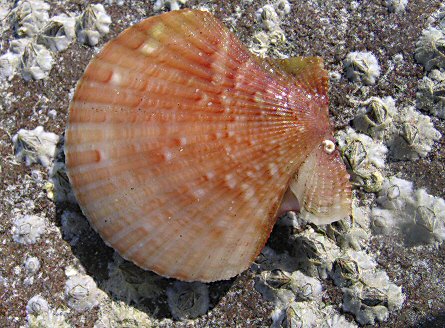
395,194
30,16
361,67
305,288
11,60
35,146
364,156
430,216
430,48
32,265
269,17
430,94
172,4
188,300
415,135
375,117
28,229
415,213
37,305
92,24
36,62
396,6
81,293
58,33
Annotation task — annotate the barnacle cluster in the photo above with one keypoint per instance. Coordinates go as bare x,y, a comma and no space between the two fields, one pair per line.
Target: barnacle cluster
415,213
365,158
406,132
40,37
35,146
40,314
362,67
430,95
292,279
27,229
270,17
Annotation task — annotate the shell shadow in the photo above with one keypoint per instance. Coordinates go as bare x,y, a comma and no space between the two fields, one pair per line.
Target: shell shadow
146,291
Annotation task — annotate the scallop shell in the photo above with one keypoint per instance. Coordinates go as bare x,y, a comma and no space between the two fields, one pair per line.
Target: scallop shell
181,144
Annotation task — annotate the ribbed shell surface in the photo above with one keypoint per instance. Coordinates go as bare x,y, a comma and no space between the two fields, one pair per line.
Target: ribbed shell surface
181,144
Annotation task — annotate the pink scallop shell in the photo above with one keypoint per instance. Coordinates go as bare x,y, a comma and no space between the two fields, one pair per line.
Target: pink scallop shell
181,144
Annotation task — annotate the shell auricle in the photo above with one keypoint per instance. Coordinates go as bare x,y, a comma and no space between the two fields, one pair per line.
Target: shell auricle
181,145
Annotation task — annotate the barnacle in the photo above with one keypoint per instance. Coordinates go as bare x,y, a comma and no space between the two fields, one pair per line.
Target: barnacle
81,293
375,117
32,265
58,33
92,24
361,67
430,51
276,278
188,300
415,135
28,229
36,62
35,146
345,272
364,157
430,94
305,288
30,16
11,60
371,298
37,305
172,4
396,6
